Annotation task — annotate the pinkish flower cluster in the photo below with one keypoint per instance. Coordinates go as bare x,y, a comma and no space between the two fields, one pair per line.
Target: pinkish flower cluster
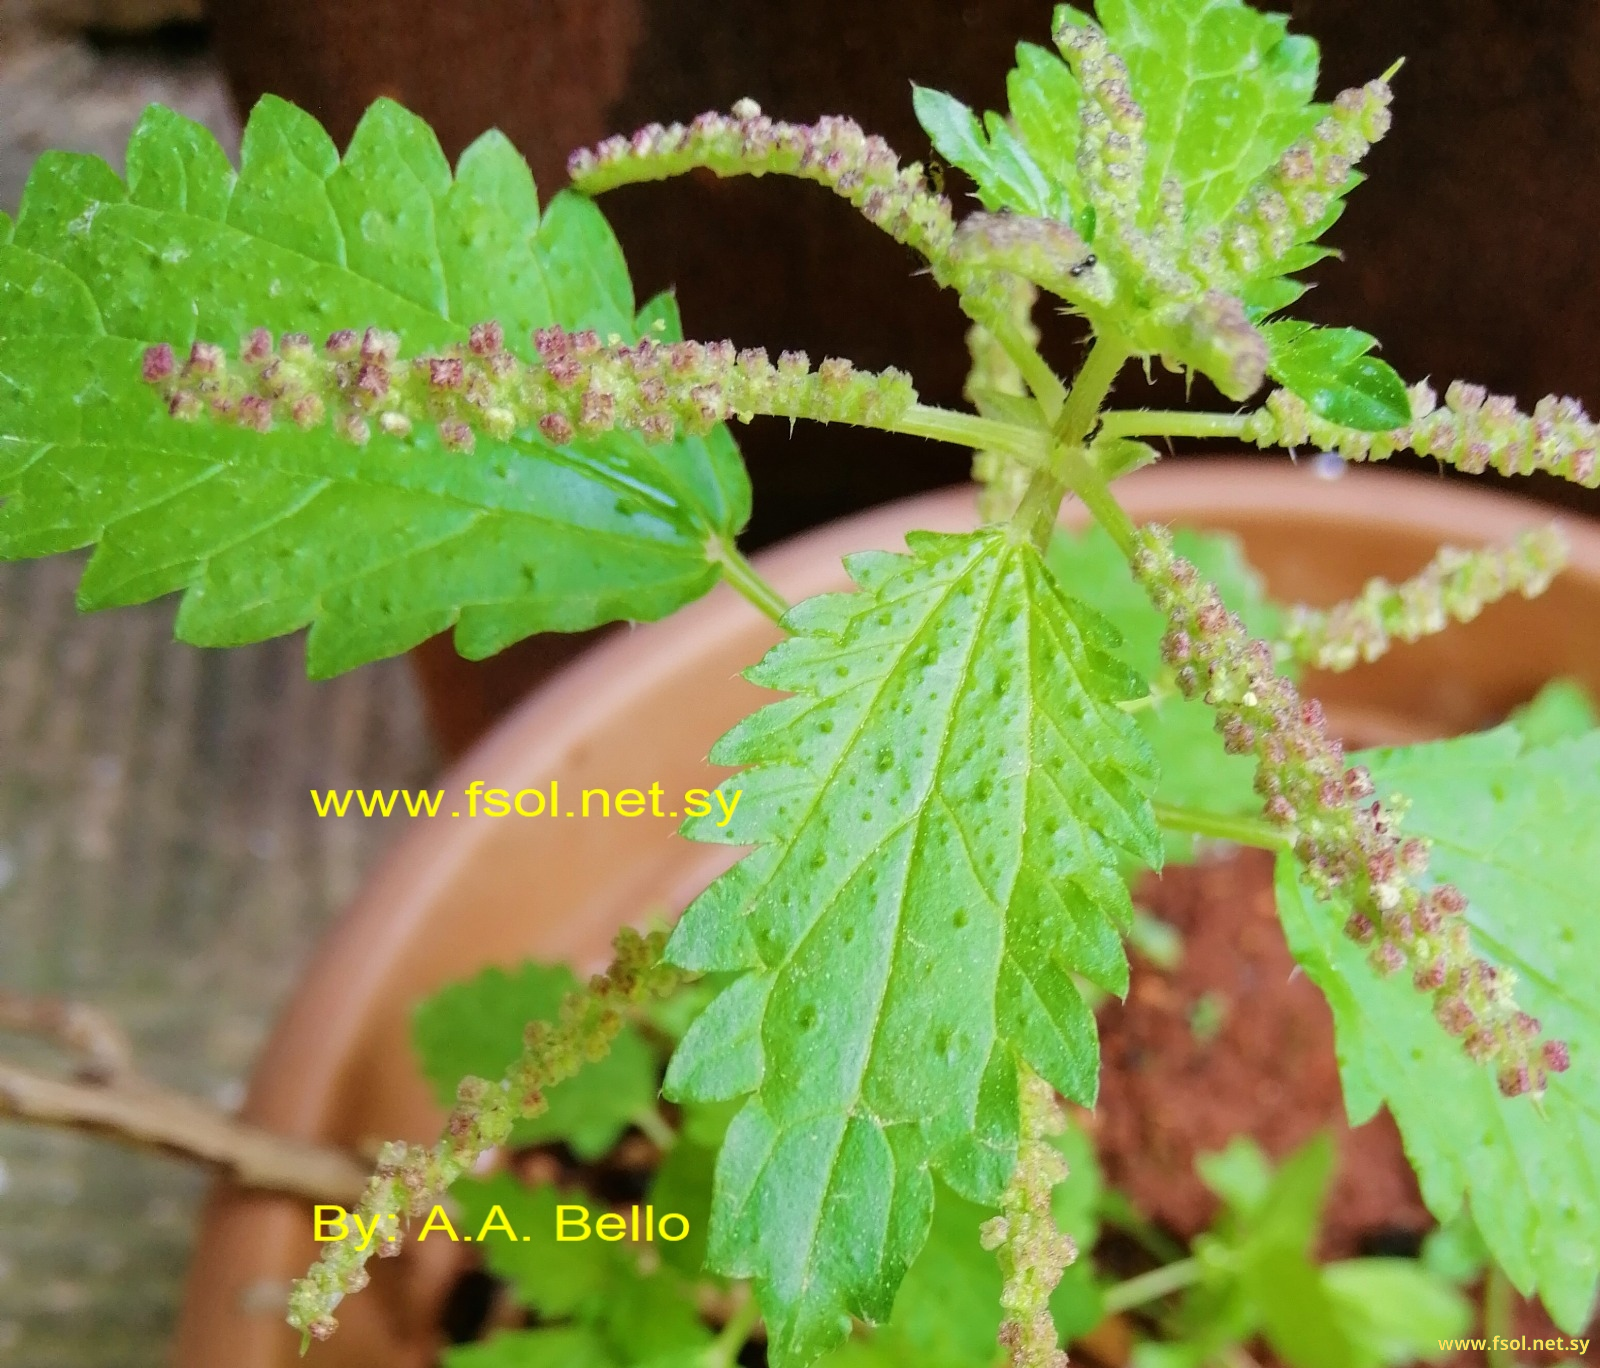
1043,251
1032,1251
1454,587
1165,306
1289,203
578,387
410,1178
1111,148
1473,431
1348,844
834,152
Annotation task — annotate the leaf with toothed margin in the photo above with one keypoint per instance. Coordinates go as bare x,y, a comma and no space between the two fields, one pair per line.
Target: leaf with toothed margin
1225,88
1331,369
1196,769
1510,822
939,810
1002,167
374,548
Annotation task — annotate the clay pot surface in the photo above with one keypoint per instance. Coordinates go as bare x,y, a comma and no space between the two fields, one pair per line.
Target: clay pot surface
458,894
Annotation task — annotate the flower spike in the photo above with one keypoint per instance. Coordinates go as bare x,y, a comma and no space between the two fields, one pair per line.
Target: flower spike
834,152
578,387
1032,1251
410,1178
1289,204
1473,431
1455,587
1346,842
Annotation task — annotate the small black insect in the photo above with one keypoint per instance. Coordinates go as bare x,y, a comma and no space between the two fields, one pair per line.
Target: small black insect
1087,264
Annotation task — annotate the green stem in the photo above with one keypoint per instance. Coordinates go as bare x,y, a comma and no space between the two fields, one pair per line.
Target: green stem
1027,445
723,1352
1041,503
1036,373
1085,480
654,1127
1497,1316
1250,831
1172,423
1147,1287
746,580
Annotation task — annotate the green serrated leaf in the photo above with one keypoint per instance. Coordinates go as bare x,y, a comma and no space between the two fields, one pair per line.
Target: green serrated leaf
1258,1277
948,1312
1562,711
1226,90
475,1028
1045,100
1195,770
1511,826
939,810
1002,167
375,548
1331,370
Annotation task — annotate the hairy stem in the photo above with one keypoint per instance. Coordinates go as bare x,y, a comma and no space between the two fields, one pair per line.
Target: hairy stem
1027,445
1147,1287
1171,423
1041,504
1218,826
1036,372
1085,480
747,581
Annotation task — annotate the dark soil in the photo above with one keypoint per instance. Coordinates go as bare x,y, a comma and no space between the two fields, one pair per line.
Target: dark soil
1170,1092
1171,1089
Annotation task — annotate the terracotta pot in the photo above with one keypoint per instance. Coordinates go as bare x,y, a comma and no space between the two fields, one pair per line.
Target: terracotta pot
458,894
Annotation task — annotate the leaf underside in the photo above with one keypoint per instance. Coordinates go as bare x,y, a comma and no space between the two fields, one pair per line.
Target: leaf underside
939,812
374,548
1513,826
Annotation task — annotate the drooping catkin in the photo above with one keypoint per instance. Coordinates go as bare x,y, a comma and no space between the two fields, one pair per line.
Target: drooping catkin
1347,843
409,1178
1454,587
1031,1249
579,386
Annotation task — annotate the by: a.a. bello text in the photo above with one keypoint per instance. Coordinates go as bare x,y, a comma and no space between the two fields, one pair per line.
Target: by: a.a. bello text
573,1222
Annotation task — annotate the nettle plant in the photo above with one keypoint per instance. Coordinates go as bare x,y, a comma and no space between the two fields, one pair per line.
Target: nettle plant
446,411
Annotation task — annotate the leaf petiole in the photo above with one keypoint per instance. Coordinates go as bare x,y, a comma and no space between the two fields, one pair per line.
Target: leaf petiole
1028,445
1218,826
1036,515
1171,423
746,580
1147,1287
